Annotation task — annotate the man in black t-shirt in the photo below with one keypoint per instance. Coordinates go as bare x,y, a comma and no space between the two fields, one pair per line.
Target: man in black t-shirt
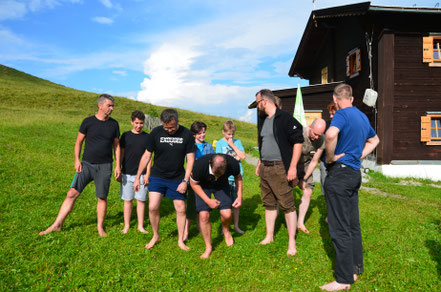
101,134
171,144
210,176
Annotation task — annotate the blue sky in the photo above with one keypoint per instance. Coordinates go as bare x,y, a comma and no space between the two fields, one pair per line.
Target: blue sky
205,56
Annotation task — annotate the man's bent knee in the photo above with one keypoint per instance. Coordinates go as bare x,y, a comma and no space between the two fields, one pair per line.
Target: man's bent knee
73,193
204,217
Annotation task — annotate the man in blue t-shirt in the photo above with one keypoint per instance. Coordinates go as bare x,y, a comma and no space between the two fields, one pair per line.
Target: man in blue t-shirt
101,133
349,139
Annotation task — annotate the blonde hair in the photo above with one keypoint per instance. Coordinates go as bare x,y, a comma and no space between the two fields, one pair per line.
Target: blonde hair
343,91
229,126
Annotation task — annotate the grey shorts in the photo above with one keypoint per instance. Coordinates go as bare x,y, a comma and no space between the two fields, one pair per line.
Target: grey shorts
99,173
127,191
301,171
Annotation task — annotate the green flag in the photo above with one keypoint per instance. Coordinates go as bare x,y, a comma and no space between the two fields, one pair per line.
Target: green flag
299,112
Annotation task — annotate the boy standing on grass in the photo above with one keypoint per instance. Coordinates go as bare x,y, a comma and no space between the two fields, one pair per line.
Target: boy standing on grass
233,147
101,133
202,148
133,144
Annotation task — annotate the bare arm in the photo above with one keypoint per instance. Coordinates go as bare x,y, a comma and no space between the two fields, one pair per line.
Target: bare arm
257,167
239,153
370,145
239,186
331,143
182,188
212,203
313,163
117,153
77,151
145,160
121,158
147,173
292,171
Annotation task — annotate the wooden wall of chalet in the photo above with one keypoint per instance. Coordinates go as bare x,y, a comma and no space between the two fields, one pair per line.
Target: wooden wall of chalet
417,89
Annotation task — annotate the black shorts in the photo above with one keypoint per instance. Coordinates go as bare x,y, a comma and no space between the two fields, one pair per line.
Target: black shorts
222,195
99,173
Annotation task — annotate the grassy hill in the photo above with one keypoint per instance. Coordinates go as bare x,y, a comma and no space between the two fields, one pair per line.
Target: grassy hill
39,120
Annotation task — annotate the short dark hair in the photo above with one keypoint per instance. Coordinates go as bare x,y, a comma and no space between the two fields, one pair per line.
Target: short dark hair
197,126
169,115
218,164
103,98
138,115
267,94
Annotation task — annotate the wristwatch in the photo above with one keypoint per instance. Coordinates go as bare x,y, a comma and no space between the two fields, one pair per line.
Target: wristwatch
184,180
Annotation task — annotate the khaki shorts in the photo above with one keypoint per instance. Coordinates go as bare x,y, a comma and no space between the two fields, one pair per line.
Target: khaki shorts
301,171
275,188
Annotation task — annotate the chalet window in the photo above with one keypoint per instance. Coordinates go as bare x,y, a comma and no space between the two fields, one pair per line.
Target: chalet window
431,129
325,75
432,50
353,63
311,115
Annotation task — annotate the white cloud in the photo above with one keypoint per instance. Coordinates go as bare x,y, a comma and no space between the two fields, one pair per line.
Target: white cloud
249,116
11,9
120,72
103,20
106,3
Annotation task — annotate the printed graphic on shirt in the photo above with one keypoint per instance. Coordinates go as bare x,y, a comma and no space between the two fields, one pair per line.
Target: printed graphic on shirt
171,140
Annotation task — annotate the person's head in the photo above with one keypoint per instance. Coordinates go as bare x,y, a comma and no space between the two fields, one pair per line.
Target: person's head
169,119
218,164
278,101
105,104
198,129
331,109
229,129
265,99
138,118
343,95
316,129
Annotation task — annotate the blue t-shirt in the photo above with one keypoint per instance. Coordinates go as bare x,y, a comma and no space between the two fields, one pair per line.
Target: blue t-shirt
355,129
223,147
203,148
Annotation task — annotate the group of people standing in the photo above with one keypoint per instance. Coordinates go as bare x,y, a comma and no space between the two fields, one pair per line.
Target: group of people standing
186,168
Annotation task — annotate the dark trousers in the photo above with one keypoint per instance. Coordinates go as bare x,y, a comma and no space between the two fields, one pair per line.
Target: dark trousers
341,187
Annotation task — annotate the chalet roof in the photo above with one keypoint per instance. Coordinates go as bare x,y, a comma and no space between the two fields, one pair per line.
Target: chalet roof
390,17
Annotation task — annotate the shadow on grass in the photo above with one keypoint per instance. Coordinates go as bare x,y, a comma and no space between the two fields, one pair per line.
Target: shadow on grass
434,247
320,203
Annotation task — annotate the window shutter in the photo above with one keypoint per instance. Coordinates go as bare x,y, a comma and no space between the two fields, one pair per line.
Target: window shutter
358,60
427,49
425,129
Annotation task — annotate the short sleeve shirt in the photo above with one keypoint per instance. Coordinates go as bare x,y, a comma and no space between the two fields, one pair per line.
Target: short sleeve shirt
310,147
354,129
170,152
201,172
100,136
134,146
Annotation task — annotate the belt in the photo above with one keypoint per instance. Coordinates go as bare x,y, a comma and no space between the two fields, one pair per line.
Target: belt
272,163
336,165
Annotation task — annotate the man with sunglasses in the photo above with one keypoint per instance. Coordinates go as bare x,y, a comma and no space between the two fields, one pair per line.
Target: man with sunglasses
171,143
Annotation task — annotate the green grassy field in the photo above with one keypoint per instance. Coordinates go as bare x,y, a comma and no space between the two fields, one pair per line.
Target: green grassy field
39,121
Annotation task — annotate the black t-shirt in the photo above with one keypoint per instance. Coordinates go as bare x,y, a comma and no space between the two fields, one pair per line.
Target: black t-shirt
170,152
201,172
134,147
99,139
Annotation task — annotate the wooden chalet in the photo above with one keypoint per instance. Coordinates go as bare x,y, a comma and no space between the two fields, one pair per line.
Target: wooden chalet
393,50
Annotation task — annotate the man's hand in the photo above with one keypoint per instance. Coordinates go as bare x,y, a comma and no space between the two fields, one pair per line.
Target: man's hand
78,166
302,184
330,160
213,203
117,173
257,170
136,185
237,203
146,180
292,174
182,188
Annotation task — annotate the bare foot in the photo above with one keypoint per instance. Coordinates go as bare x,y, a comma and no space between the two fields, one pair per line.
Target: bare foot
355,277
182,245
229,239
152,242
238,230
335,286
101,232
266,240
291,251
49,230
303,228
207,253
125,230
142,230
